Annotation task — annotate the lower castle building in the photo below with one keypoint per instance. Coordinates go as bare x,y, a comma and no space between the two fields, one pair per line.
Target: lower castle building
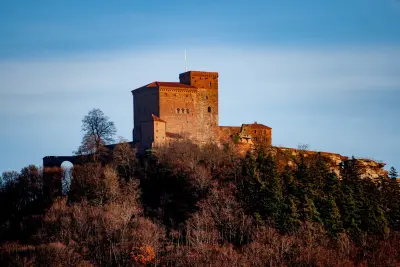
189,108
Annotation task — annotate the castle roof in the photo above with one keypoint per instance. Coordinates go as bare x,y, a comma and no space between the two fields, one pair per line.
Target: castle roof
256,125
170,84
155,118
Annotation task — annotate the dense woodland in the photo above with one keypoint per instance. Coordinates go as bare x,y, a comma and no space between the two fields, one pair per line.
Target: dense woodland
185,205
182,205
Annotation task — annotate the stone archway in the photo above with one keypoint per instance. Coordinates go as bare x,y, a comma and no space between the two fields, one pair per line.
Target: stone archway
66,168
53,174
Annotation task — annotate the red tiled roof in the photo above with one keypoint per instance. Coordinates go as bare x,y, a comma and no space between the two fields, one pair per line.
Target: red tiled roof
173,135
258,126
155,118
170,84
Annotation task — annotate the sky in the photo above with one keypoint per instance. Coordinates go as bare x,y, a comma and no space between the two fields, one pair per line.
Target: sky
322,73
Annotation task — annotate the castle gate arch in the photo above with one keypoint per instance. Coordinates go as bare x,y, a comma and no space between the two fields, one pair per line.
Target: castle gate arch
53,173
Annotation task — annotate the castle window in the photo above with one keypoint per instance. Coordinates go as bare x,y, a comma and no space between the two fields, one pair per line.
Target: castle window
265,131
166,94
255,138
187,111
178,110
209,109
209,83
206,97
183,110
255,131
187,95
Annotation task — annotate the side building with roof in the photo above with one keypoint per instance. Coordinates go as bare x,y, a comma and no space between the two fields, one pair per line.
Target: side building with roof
186,109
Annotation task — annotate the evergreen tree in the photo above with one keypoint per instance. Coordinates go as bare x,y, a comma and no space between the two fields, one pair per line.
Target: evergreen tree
302,176
371,212
349,211
289,186
250,185
308,210
332,185
393,173
290,217
317,177
271,191
331,217
391,205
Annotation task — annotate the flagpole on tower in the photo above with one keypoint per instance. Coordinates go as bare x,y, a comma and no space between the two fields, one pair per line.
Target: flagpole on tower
185,61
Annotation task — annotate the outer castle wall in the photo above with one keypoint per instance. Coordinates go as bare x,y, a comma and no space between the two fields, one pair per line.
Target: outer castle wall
226,132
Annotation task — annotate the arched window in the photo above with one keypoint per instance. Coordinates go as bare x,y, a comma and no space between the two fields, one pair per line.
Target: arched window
66,178
183,110
178,110
209,109
187,111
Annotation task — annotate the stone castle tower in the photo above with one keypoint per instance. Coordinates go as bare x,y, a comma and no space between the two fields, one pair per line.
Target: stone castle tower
188,108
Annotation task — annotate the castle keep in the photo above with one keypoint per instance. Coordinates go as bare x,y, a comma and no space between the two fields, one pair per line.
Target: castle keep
188,108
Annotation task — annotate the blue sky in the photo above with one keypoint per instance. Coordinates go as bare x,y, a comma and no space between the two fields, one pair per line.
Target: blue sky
323,73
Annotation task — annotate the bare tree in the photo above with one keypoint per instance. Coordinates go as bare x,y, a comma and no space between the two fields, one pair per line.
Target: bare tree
303,147
98,131
124,158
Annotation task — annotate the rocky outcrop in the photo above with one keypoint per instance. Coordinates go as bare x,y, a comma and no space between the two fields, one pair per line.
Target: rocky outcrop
369,169
291,157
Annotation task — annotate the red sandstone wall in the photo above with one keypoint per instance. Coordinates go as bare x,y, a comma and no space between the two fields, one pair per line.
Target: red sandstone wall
263,135
159,132
145,104
183,122
207,115
225,132
206,103
147,134
200,79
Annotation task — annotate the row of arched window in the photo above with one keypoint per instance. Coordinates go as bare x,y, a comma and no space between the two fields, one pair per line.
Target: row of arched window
265,131
182,110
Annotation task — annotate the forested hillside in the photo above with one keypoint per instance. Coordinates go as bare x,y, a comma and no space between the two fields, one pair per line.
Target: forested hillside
182,205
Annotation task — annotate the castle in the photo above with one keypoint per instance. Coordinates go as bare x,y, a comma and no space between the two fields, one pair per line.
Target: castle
189,108
164,111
